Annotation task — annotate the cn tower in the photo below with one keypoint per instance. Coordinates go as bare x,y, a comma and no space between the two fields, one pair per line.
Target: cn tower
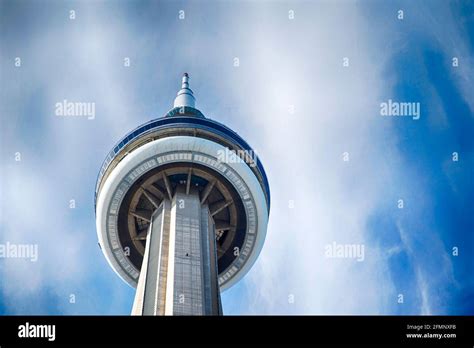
182,206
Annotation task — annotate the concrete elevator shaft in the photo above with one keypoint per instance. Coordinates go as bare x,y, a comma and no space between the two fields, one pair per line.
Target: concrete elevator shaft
179,273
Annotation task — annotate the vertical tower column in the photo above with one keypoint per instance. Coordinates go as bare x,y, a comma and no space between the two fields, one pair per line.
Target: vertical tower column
179,270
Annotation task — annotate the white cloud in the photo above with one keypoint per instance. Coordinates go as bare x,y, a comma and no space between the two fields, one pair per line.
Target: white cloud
336,110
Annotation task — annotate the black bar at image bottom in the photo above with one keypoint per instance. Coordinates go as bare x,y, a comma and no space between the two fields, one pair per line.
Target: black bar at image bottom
291,330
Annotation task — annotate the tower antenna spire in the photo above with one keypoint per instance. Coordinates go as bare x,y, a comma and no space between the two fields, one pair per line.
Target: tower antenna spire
185,96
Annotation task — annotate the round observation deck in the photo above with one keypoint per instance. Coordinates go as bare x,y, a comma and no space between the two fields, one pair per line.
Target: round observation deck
182,148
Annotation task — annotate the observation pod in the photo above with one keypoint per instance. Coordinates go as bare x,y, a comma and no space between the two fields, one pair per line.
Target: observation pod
182,205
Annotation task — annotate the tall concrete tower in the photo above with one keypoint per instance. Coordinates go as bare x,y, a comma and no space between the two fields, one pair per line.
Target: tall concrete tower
182,205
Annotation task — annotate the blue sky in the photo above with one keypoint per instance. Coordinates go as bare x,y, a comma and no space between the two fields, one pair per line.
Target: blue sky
299,107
